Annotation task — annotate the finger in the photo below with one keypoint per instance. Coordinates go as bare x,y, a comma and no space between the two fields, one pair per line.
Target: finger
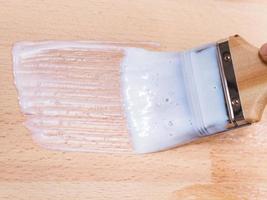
263,52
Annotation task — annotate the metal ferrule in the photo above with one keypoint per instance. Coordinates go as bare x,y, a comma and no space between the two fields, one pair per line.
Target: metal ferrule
230,87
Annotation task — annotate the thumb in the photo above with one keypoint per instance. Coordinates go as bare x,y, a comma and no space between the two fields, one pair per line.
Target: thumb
263,52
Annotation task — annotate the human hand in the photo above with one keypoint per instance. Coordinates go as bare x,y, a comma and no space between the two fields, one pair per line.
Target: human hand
263,52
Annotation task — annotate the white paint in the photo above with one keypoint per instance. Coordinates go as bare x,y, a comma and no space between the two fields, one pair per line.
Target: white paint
172,98
72,100
70,95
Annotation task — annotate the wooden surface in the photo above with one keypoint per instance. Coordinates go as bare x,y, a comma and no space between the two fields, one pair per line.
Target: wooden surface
226,166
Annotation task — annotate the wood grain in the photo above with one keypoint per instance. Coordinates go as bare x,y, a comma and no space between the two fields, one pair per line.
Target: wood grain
226,166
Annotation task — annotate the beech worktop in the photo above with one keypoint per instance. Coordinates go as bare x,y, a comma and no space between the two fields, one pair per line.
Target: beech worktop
227,166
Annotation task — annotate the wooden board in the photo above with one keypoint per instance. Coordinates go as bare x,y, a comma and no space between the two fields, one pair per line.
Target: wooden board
226,166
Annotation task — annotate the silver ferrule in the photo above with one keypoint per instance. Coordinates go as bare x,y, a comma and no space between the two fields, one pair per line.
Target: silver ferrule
230,88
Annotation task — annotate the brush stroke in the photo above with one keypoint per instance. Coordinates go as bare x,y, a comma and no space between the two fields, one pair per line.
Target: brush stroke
70,94
74,95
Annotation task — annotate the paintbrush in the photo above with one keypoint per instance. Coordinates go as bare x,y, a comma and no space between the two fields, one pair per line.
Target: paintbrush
168,98
171,99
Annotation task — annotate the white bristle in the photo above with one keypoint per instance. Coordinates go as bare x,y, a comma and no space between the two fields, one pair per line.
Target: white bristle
172,98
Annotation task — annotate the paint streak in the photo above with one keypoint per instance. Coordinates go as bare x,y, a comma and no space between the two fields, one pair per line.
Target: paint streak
70,94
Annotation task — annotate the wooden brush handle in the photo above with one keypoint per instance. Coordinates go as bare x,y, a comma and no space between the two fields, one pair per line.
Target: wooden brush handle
251,76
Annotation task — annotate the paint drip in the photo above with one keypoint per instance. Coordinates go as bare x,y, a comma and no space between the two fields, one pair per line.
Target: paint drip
80,96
